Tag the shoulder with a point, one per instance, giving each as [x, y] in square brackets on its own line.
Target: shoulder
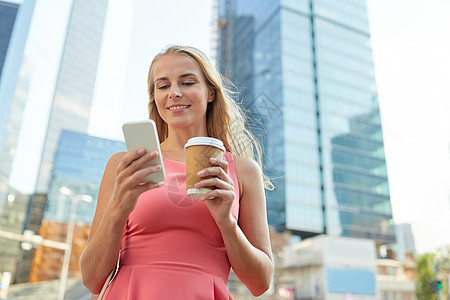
[114, 161]
[246, 166]
[115, 158]
[248, 172]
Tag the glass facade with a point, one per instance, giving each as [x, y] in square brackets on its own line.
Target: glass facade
[14, 26]
[46, 85]
[8, 12]
[250, 55]
[78, 166]
[304, 70]
[75, 84]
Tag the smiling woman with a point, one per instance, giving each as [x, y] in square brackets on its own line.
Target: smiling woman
[180, 90]
[173, 246]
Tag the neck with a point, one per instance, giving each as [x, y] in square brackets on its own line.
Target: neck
[177, 138]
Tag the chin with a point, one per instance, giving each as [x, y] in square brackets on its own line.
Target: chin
[180, 124]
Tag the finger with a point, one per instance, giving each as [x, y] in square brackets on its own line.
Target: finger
[143, 187]
[138, 162]
[223, 194]
[214, 171]
[139, 175]
[219, 162]
[216, 182]
[150, 185]
[129, 157]
[141, 161]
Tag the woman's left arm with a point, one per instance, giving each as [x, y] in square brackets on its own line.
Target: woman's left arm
[247, 241]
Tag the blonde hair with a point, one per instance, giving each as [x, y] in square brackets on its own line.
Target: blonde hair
[225, 120]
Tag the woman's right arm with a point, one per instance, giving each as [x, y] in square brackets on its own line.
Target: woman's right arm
[118, 193]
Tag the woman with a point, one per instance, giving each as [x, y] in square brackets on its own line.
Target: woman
[173, 247]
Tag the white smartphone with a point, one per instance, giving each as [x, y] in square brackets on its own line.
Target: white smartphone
[143, 134]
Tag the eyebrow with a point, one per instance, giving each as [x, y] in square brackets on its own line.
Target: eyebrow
[181, 76]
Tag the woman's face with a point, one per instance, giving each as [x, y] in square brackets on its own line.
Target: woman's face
[181, 92]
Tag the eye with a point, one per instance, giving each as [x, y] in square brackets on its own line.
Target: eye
[188, 83]
[163, 87]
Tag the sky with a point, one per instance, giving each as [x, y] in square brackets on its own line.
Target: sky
[128, 50]
[411, 46]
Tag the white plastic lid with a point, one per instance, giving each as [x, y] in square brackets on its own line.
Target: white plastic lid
[204, 140]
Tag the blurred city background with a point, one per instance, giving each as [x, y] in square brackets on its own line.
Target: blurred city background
[349, 99]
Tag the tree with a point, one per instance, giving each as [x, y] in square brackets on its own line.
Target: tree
[425, 272]
[443, 258]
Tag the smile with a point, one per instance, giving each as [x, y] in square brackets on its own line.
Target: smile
[178, 107]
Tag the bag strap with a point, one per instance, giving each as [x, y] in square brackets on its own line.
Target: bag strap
[116, 270]
[108, 280]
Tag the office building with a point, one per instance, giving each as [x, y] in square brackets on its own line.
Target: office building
[397, 279]
[12, 220]
[47, 84]
[15, 19]
[79, 163]
[8, 13]
[72, 99]
[326, 267]
[405, 242]
[304, 70]
[78, 166]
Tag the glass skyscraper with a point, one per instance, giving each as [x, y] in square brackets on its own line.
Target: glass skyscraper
[79, 162]
[304, 70]
[78, 166]
[15, 19]
[8, 13]
[72, 99]
[47, 82]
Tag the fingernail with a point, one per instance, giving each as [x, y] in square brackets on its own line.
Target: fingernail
[200, 173]
[197, 185]
[141, 151]
[158, 167]
[213, 160]
[161, 183]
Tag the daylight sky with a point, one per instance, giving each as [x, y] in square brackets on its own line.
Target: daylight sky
[411, 44]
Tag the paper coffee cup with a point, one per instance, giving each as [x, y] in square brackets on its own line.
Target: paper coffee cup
[199, 150]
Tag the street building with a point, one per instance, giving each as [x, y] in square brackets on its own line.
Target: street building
[397, 279]
[78, 166]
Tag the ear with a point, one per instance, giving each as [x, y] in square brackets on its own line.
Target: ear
[212, 95]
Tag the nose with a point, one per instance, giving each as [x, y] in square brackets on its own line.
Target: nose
[175, 91]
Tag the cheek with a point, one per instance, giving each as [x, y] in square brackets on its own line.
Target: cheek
[160, 107]
[159, 102]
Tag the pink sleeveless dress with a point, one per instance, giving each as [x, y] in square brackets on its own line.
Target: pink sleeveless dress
[172, 248]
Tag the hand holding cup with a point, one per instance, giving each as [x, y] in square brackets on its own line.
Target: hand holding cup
[199, 151]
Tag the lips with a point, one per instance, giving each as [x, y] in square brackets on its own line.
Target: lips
[175, 107]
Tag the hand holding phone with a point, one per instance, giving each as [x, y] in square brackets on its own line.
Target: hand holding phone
[143, 134]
